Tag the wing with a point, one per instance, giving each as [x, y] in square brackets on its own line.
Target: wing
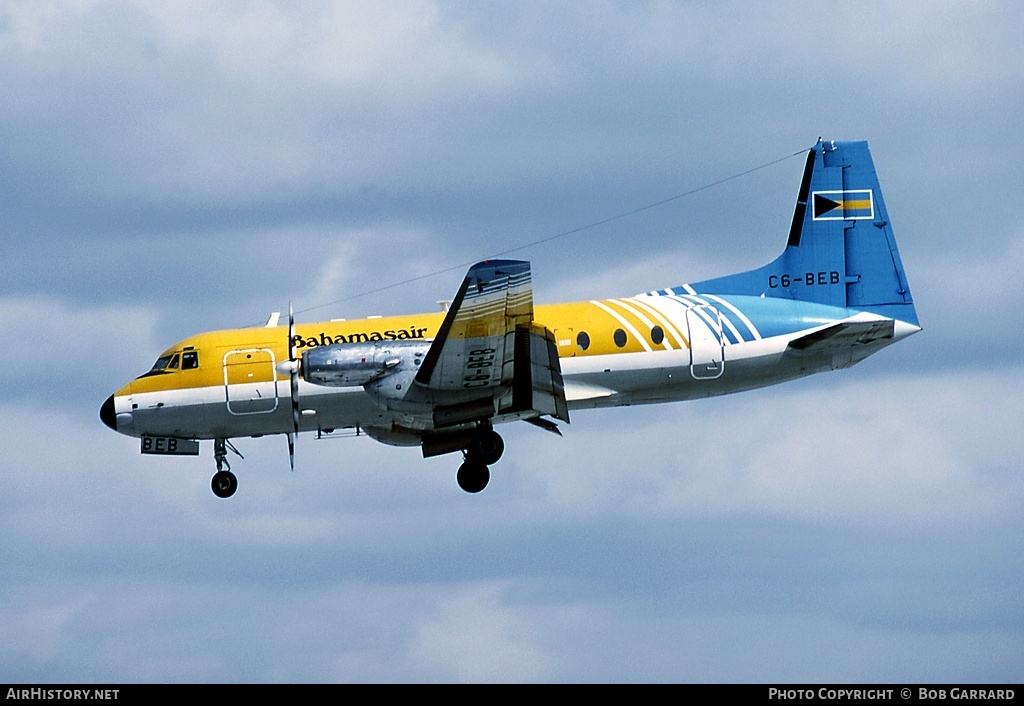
[489, 359]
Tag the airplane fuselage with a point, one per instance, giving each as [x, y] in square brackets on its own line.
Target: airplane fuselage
[639, 350]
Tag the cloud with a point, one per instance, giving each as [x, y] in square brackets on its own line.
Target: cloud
[333, 45]
[220, 103]
[476, 636]
[878, 450]
[61, 351]
[191, 166]
[756, 521]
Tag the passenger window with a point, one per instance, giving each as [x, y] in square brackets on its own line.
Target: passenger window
[620, 337]
[583, 340]
[189, 360]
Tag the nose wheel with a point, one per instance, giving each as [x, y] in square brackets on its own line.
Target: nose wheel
[224, 483]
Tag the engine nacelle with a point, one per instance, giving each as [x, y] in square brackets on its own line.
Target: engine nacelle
[351, 364]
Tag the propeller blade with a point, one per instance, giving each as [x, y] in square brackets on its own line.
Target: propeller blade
[294, 363]
[291, 332]
[291, 450]
[293, 374]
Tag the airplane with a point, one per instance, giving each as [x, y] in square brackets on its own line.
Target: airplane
[443, 381]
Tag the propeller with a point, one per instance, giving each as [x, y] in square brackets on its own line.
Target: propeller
[291, 368]
[295, 386]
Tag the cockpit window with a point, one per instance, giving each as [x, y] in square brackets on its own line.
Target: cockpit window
[169, 362]
[189, 360]
[162, 362]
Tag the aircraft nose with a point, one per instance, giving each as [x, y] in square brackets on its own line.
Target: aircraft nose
[107, 415]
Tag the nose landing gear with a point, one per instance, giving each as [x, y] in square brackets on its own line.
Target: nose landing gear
[224, 483]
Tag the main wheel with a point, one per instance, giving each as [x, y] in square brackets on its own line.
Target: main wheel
[224, 484]
[473, 476]
[487, 447]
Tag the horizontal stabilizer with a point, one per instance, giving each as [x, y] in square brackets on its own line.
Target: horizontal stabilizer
[844, 335]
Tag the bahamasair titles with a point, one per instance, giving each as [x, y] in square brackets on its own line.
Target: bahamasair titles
[444, 381]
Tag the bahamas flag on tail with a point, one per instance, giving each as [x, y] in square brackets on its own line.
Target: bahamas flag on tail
[842, 205]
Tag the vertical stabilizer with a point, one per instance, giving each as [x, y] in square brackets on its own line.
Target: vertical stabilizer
[841, 250]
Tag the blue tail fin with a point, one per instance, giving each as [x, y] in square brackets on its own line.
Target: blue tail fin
[841, 250]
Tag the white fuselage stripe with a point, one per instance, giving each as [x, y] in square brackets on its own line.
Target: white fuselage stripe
[739, 315]
[665, 317]
[621, 320]
[635, 311]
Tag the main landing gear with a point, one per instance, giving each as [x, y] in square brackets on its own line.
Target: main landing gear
[224, 482]
[485, 449]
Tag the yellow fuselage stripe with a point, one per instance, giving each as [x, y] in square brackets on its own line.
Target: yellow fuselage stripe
[270, 345]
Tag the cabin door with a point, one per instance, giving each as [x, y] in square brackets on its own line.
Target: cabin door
[707, 344]
[250, 381]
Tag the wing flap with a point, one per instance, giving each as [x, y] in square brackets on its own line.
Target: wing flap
[537, 379]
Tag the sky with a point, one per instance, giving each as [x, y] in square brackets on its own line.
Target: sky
[171, 168]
